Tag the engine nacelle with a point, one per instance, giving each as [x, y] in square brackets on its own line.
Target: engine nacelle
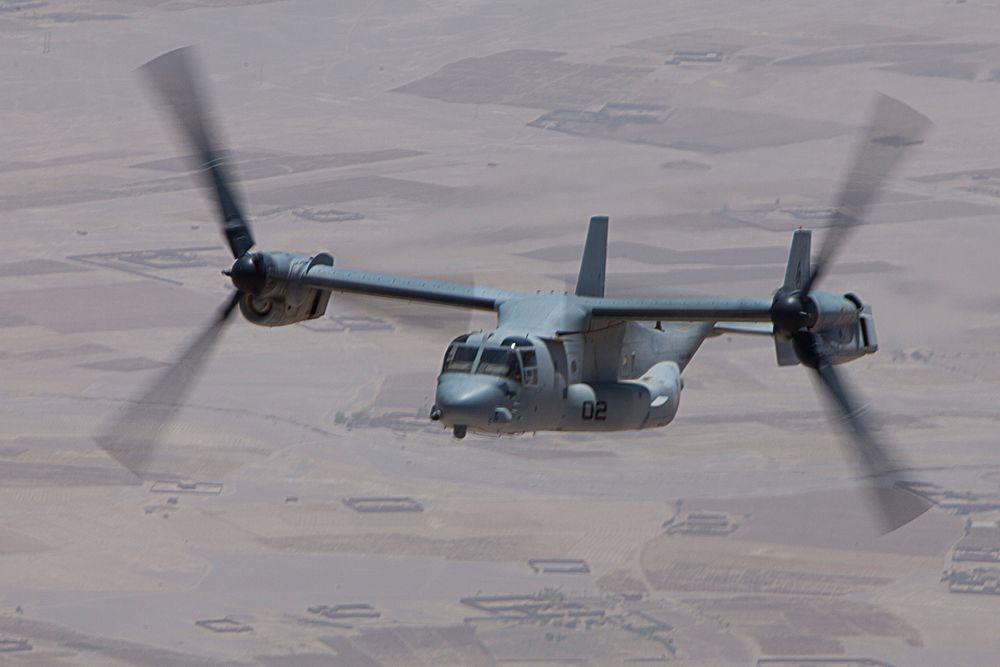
[853, 340]
[283, 299]
[828, 310]
[843, 329]
[279, 311]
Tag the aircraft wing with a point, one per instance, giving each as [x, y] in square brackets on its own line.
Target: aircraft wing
[681, 310]
[405, 288]
[445, 293]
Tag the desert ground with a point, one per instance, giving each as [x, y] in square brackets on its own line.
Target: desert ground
[472, 140]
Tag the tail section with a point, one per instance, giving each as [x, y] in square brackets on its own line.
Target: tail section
[797, 271]
[796, 275]
[590, 282]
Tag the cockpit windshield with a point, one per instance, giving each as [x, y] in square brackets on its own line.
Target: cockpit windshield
[514, 359]
[500, 361]
[459, 358]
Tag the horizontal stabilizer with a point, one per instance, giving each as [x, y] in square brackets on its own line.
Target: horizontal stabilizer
[743, 328]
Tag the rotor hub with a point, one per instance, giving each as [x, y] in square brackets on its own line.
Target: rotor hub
[249, 273]
[789, 313]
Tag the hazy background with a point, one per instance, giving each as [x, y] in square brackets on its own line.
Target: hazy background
[473, 140]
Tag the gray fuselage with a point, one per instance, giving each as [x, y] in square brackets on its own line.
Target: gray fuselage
[572, 373]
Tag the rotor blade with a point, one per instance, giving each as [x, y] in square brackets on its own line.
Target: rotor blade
[174, 77]
[132, 438]
[896, 505]
[893, 128]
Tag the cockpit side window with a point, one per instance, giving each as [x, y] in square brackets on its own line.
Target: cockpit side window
[502, 362]
[459, 358]
[525, 349]
[529, 361]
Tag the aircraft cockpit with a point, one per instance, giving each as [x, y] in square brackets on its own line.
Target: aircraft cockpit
[514, 358]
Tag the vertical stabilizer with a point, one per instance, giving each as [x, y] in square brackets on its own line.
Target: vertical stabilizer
[796, 275]
[797, 271]
[595, 256]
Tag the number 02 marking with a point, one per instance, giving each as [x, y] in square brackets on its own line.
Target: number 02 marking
[596, 411]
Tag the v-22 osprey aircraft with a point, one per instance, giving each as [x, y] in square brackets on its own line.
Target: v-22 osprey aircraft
[566, 361]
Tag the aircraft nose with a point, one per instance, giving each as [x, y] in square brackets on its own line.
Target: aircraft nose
[467, 400]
